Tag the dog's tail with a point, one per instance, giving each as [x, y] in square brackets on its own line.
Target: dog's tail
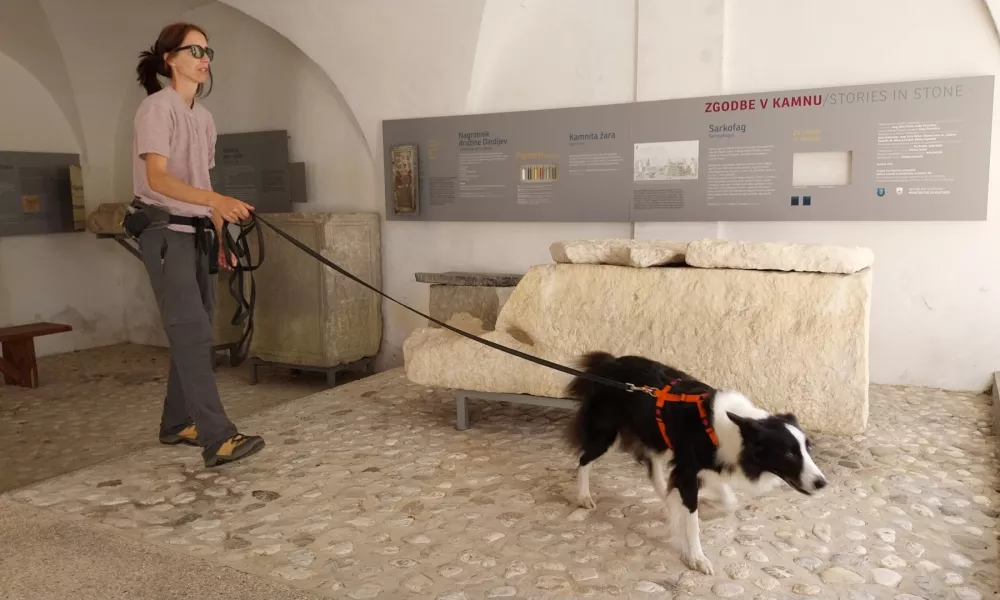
[593, 363]
[585, 390]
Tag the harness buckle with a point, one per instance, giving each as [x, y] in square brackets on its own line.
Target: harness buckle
[645, 389]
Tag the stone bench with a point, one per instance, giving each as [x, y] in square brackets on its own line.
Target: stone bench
[479, 295]
[786, 324]
[19, 364]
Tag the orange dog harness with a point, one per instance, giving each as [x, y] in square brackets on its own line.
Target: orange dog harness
[664, 395]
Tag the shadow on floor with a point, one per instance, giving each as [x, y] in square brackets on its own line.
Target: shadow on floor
[98, 404]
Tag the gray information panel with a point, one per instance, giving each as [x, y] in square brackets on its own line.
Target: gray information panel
[253, 167]
[36, 194]
[902, 151]
[550, 165]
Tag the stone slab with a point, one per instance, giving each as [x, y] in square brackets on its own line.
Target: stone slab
[620, 252]
[791, 341]
[107, 218]
[461, 278]
[482, 303]
[774, 256]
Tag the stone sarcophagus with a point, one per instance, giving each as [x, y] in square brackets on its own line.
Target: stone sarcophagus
[786, 324]
[306, 313]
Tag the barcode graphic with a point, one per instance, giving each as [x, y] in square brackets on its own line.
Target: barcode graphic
[536, 173]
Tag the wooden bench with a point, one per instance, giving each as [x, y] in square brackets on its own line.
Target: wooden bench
[19, 364]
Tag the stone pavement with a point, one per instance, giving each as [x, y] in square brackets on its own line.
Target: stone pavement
[368, 491]
[102, 403]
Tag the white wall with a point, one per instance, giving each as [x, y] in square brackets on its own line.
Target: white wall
[41, 278]
[935, 316]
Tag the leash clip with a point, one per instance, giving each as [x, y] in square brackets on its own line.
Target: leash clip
[645, 388]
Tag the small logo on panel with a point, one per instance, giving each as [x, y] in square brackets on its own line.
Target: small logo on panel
[880, 192]
[807, 200]
[899, 191]
[795, 200]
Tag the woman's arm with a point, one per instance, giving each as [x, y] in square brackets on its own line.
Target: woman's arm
[162, 182]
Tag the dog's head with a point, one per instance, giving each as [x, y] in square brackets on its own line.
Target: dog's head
[777, 445]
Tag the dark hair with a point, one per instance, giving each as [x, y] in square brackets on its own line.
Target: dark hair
[151, 61]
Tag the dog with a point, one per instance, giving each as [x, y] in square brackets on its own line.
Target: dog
[724, 440]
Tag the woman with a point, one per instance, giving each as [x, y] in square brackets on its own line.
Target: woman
[175, 213]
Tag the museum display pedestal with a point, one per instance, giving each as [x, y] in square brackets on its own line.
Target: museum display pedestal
[786, 324]
[479, 295]
[308, 316]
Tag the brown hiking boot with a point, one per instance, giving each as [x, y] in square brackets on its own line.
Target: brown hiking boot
[237, 447]
[188, 435]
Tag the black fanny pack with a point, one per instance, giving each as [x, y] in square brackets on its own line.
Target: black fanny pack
[139, 216]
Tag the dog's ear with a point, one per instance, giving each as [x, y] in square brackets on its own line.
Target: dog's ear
[788, 417]
[749, 427]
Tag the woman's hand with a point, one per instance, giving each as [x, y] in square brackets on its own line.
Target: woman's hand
[230, 209]
[226, 260]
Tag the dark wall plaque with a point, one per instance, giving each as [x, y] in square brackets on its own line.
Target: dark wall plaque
[253, 167]
[36, 194]
[917, 150]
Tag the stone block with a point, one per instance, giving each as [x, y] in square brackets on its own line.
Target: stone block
[107, 218]
[771, 256]
[622, 252]
[790, 341]
[483, 303]
[307, 313]
[473, 279]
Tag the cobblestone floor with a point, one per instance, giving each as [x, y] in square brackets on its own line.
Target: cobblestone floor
[102, 403]
[368, 491]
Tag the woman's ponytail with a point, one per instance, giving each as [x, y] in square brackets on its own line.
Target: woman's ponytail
[150, 65]
[151, 62]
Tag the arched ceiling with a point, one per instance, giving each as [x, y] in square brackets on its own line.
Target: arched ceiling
[389, 59]
[26, 37]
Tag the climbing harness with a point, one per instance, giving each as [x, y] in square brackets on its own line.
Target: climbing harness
[665, 395]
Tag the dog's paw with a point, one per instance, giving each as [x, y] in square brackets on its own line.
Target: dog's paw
[699, 562]
[586, 501]
[728, 501]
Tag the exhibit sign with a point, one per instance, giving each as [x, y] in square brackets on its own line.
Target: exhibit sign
[36, 193]
[253, 167]
[907, 151]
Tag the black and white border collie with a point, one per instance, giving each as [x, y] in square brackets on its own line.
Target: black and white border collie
[755, 447]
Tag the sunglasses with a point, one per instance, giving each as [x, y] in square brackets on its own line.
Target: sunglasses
[198, 51]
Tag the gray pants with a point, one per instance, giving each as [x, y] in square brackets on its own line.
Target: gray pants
[185, 294]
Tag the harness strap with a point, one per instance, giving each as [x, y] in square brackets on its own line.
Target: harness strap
[664, 395]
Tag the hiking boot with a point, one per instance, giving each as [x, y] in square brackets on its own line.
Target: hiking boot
[237, 447]
[188, 435]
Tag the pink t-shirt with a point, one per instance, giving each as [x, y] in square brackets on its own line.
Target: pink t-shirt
[165, 125]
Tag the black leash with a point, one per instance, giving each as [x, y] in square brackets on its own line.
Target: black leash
[241, 248]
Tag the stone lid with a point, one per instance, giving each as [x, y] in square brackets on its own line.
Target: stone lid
[621, 252]
[775, 256]
[470, 279]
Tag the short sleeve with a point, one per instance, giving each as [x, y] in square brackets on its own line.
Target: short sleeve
[153, 127]
[213, 136]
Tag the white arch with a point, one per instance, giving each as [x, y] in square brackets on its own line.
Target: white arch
[419, 63]
[26, 37]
